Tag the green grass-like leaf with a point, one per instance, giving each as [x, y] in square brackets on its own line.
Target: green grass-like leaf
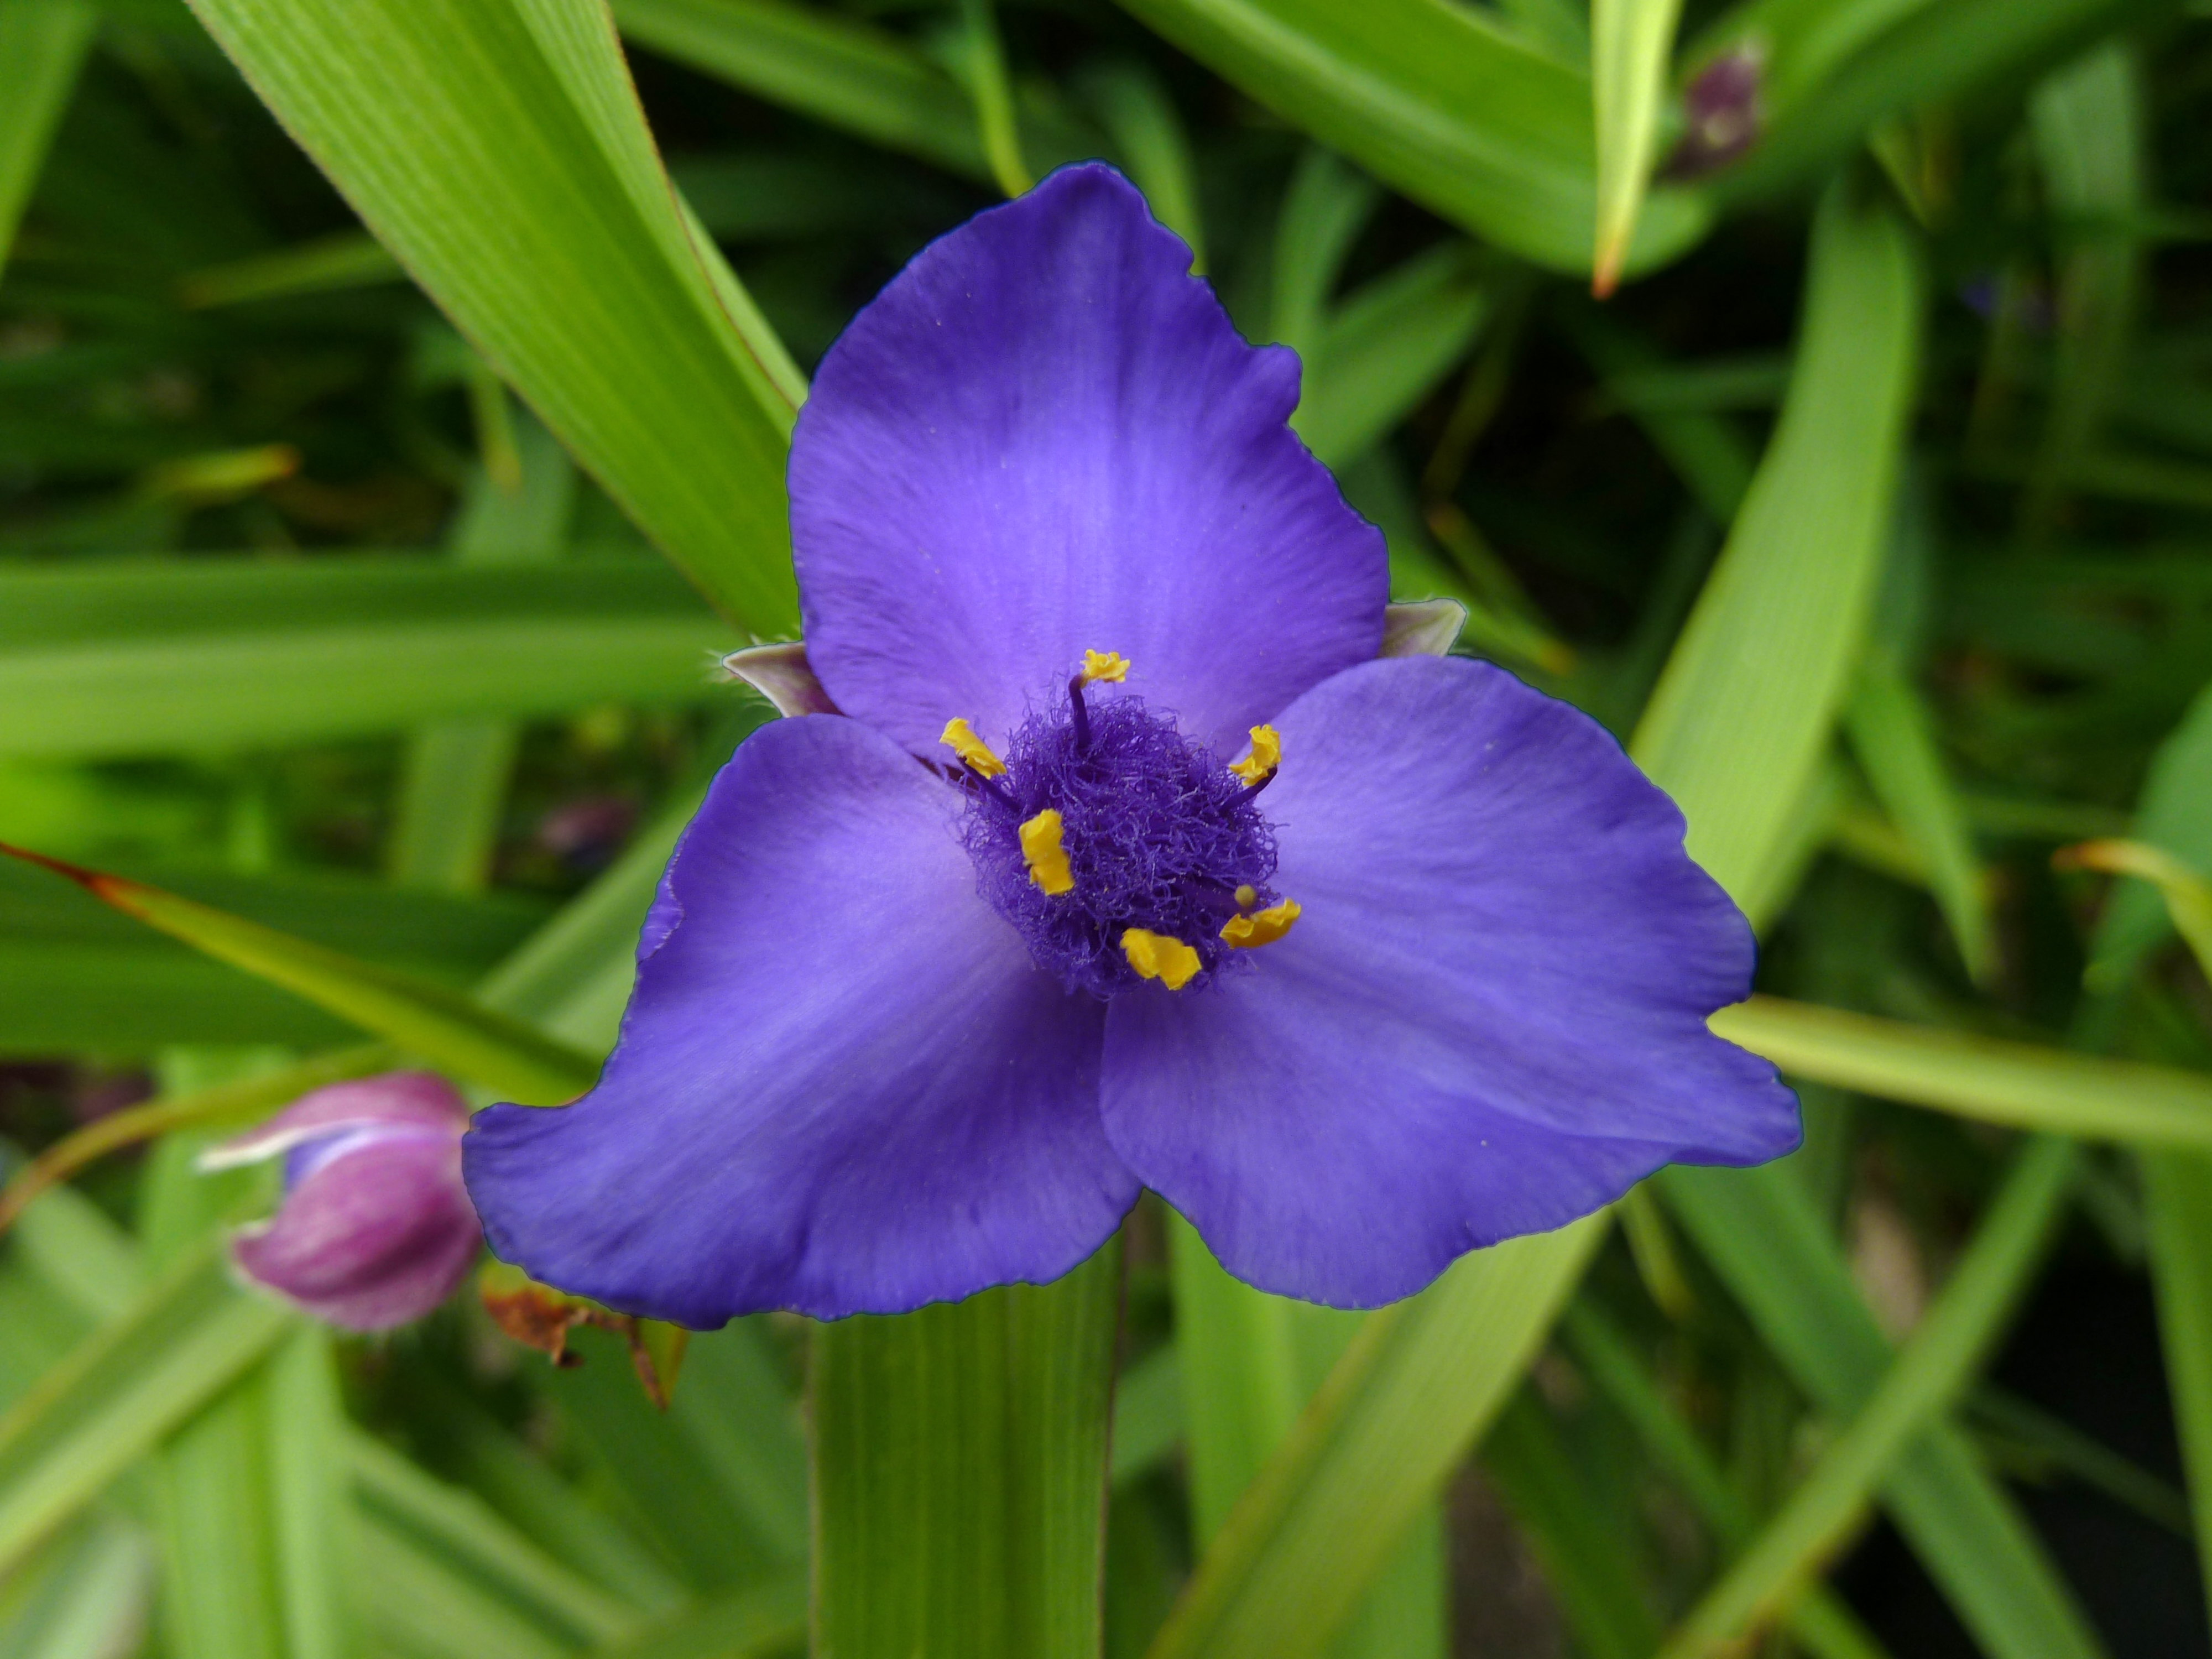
[499, 151]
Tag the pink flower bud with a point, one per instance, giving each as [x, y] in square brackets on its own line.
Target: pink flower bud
[375, 1228]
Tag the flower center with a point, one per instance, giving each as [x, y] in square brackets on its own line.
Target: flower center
[1121, 849]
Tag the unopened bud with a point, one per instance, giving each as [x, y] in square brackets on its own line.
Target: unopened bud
[1721, 113]
[375, 1228]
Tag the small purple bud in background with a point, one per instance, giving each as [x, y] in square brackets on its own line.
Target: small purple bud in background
[1720, 105]
[587, 833]
[375, 1228]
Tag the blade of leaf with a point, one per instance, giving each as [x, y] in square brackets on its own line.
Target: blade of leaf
[1894, 735]
[1760, 1232]
[134, 658]
[560, 1518]
[2177, 807]
[738, 1410]
[1394, 1417]
[1386, 348]
[1929, 54]
[837, 68]
[1582, 1560]
[498, 149]
[2177, 1218]
[1931, 1372]
[2022, 1086]
[1794, 584]
[1707, 453]
[441, 1025]
[959, 1467]
[188, 1337]
[766, 1619]
[1148, 1415]
[453, 778]
[993, 97]
[1456, 110]
[221, 1595]
[1819, 1618]
[1631, 44]
[2172, 818]
[400, 1500]
[42, 45]
[719, 1519]
[89, 1597]
[422, 1604]
[1250, 1363]
[2088, 122]
[1326, 206]
[311, 1508]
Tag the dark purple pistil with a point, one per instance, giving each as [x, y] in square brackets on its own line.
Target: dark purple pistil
[1159, 833]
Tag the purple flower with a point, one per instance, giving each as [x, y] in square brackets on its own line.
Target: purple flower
[1722, 113]
[1126, 861]
[375, 1228]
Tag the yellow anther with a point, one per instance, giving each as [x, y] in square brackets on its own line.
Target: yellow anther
[960, 738]
[1159, 955]
[1104, 665]
[1047, 858]
[1261, 927]
[1267, 754]
[1247, 897]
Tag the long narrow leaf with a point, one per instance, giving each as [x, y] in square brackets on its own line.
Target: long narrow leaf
[1250, 1362]
[1894, 735]
[959, 1468]
[2020, 1084]
[1394, 1418]
[2178, 1184]
[42, 45]
[441, 1025]
[1930, 53]
[1438, 101]
[1761, 1233]
[188, 1337]
[1817, 1619]
[454, 1525]
[1631, 44]
[137, 659]
[454, 778]
[1935, 1366]
[1791, 594]
[499, 150]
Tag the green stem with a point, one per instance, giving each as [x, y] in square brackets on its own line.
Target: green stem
[960, 1473]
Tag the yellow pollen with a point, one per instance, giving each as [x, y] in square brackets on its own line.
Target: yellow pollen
[1267, 754]
[1104, 665]
[960, 738]
[1158, 956]
[1261, 927]
[1247, 897]
[1047, 858]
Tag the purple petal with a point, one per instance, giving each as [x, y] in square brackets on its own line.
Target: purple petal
[841, 1087]
[1045, 437]
[371, 1239]
[398, 1098]
[1489, 1020]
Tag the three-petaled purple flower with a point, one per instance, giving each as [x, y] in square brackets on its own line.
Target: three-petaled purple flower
[1128, 861]
[375, 1228]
